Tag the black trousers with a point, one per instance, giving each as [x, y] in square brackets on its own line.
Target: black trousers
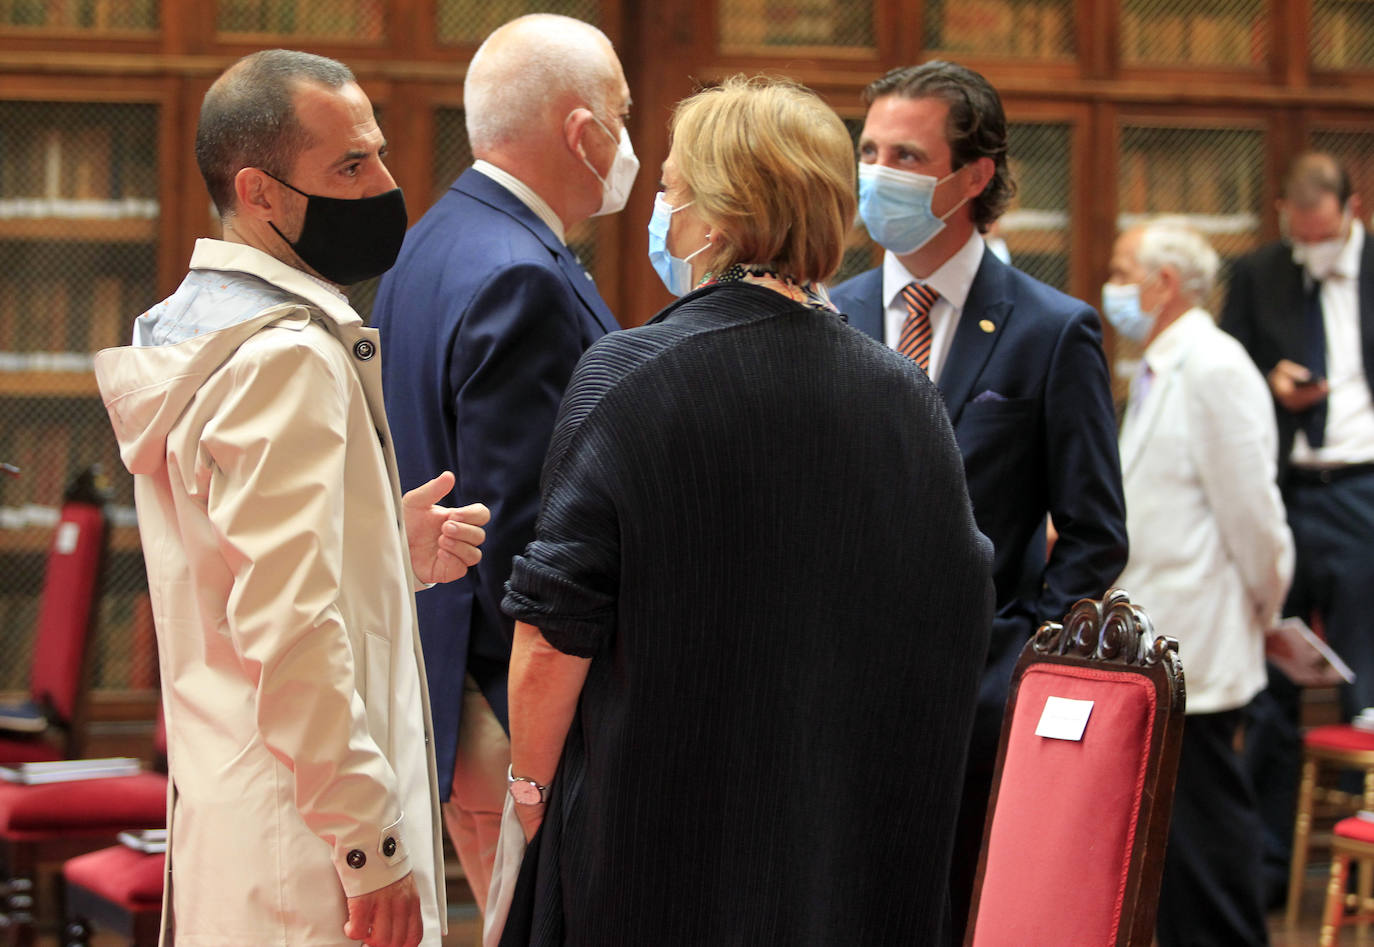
[1210, 894]
[1333, 533]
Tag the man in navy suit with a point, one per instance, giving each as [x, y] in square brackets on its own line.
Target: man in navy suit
[483, 319]
[1020, 366]
[1303, 307]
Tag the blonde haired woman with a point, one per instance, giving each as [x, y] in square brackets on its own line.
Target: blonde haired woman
[751, 624]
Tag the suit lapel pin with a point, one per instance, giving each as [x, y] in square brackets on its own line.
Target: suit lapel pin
[986, 325]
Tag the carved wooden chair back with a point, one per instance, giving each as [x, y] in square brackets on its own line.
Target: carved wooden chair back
[1073, 845]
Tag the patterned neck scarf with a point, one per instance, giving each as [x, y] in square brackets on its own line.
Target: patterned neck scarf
[809, 294]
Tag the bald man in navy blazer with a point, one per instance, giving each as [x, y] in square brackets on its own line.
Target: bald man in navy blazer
[482, 321]
[1020, 366]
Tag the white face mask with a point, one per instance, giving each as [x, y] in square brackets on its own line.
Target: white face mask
[615, 186]
[1319, 259]
[1121, 306]
[676, 272]
[896, 207]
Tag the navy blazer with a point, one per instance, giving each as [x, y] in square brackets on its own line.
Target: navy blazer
[482, 320]
[1264, 310]
[1026, 386]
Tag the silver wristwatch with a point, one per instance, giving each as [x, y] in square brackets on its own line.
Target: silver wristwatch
[525, 792]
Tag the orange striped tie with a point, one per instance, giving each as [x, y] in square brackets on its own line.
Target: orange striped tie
[916, 331]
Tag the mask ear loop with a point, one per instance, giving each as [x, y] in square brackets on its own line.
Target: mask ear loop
[944, 218]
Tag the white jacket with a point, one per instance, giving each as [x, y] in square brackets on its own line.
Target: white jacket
[295, 699]
[1211, 554]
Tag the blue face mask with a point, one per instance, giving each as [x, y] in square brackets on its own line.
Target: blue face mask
[1121, 306]
[675, 273]
[896, 207]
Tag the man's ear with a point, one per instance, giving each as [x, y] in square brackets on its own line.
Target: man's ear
[255, 193]
[573, 127]
[983, 172]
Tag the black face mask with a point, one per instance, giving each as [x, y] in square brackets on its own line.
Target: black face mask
[348, 241]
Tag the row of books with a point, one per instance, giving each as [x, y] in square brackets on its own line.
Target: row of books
[1343, 35]
[1032, 28]
[63, 316]
[1042, 180]
[353, 19]
[1219, 35]
[80, 14]
[88, 161]
[753, 23]
[1203, 172]
[469, 21]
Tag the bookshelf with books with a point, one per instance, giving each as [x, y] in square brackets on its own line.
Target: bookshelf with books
[80, 230]
[1233, 34]
[1342, 34]
[78, 16]
[361, 22]
[1029, 29]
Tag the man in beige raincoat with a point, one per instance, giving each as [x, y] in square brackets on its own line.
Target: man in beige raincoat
[249, 408]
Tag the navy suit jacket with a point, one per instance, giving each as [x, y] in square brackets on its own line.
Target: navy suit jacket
[1026, 386]
[482, 320]
[1264, 310]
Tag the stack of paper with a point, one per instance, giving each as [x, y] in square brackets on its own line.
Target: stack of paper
[61, 771]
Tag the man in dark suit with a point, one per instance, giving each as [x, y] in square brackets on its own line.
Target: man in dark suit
[1303, 307]
[1020, 366]
[484, 317]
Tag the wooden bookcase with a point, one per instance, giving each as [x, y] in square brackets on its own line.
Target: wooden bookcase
[1118, 108]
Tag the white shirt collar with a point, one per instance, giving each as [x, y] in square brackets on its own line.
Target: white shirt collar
[525, 195]
[1348, 263]
[952, 280]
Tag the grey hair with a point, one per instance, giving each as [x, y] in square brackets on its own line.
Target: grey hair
[508, 88]
[1171, 241]
[248, 118]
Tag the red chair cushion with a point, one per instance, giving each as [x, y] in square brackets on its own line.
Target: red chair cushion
[26, 751]
[65, 609]
[1339, 736]
[1066, 812]
[120, 875]
[83, 806]
[1361, 830]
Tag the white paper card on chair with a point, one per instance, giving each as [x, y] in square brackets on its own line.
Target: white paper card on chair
[67, 535]
[1063, 718]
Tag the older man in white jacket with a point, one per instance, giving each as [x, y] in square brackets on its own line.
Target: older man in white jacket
[1211, 558]
[303, 807]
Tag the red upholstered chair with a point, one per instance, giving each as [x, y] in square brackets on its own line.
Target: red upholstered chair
[1332, 749]
[50, 823]
[47, 726]
[1351, 838]
[116, 889]
[1073, 846]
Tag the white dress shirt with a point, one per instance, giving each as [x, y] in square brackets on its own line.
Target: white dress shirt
[1349, 410]
[525, 195]
[952, 281]
[1211, 553]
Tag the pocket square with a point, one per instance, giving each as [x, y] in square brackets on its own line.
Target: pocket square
[989, 395]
